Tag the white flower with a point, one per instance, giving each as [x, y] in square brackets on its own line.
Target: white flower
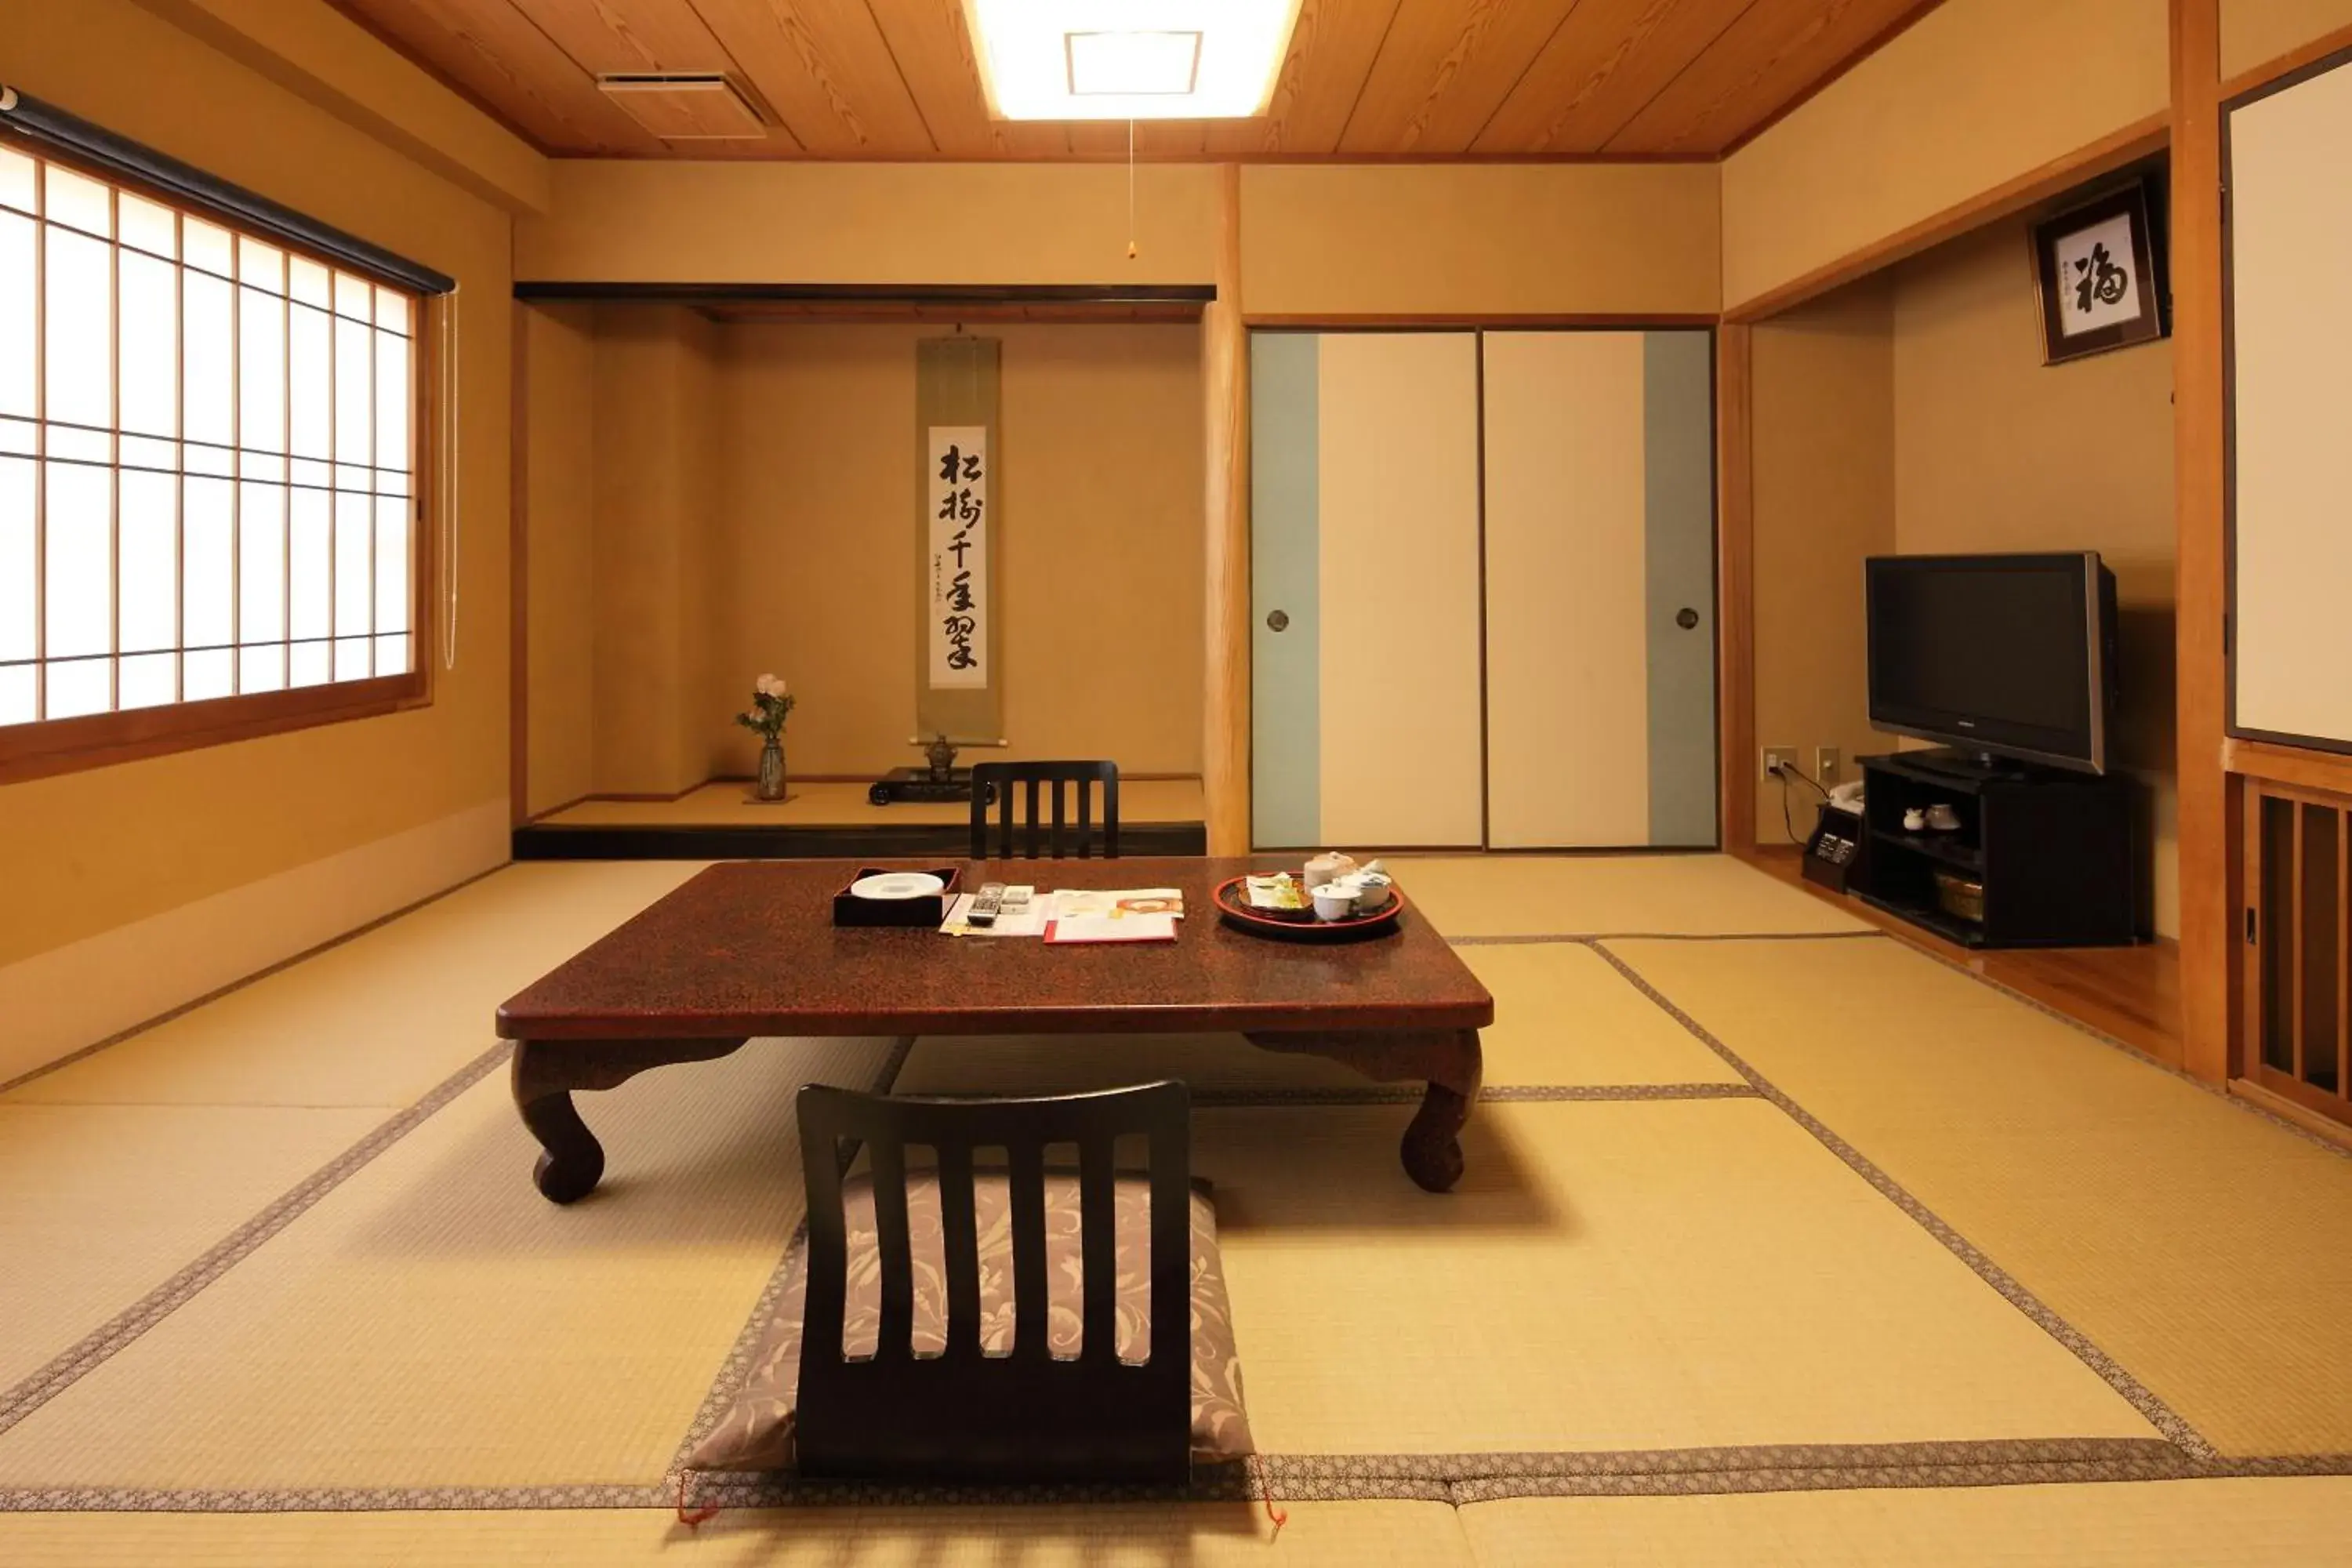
[768, 686]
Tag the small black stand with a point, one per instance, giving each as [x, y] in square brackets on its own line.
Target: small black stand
[918, 784]
[2050, 852]
[940, 780]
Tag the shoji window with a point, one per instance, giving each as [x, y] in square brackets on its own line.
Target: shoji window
[208, 473]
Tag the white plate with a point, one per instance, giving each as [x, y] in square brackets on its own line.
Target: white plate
[897, 885]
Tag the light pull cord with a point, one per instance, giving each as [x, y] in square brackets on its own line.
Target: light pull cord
[1130, 190]
[450, 472]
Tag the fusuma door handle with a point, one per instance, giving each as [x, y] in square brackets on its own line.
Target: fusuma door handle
[1686, 617]
[1275, 620]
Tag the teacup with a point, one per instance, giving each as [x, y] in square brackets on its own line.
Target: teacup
[1333, 900]
[1371, 891]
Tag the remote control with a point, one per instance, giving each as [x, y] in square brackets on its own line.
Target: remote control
[984, 907]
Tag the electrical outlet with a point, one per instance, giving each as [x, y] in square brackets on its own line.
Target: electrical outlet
[1778, 757]
[1825, 764]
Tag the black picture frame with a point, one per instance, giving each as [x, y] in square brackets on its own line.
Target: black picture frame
[2140, 204]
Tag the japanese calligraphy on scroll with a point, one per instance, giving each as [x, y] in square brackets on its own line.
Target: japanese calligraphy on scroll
[959, 555]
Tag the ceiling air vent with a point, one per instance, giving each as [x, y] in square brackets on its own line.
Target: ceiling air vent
[686, 106]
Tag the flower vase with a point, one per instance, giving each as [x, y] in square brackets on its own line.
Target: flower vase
[771, 770]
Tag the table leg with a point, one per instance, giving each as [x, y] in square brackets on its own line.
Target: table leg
[545, 1073]
[1448, 1061]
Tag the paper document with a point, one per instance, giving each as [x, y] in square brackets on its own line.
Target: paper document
[1118, 915]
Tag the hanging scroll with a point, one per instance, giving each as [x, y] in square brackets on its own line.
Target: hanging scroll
[959, 555]
[958, 517]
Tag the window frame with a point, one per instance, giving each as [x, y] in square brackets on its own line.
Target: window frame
[43, 748]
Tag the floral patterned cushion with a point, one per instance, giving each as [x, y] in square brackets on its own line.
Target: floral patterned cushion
[756, 1433]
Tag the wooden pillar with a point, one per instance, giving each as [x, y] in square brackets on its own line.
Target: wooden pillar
[2208, 954]
[1735, 624]
[1225, 692]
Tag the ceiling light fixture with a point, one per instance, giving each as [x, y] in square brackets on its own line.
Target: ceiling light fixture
[1106, 64]
[1129, 60]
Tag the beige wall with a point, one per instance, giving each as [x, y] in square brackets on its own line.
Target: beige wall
[1824, 487]
[1541, 238]
[1098, 483]
[2255, 32]
[655, 430]
[869, 223]
[91, 852]
[559, 432]
[1492, 239]
[1979, 93]
[320, 54]
[1993, 450]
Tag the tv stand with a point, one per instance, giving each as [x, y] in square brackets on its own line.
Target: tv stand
[2050, 851]
[1950, 761]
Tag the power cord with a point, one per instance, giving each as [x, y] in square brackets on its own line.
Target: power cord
[1784, 772]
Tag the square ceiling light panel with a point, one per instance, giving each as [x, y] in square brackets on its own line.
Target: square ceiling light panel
[1130, 59]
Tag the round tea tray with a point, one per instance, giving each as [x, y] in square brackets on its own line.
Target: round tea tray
[1301, 925]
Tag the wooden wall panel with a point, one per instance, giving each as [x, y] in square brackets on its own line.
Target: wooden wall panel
[1225, 530]
[2208, 868]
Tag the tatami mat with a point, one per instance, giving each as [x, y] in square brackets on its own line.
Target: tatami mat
[2206, 1249]
[1608, 1276]
[1598, 895]
[1069, 1063]
[1207, 1535]
[2193, 1524]
[377, 1020]
[835, 803]
[100, 1203]
[435, 1321]
[1563, 1018]
[1563, 1015]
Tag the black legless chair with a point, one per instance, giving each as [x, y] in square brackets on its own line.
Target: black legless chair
[966, 1415]
[996, 781]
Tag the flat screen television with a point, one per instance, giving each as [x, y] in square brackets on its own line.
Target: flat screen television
[2008, 656]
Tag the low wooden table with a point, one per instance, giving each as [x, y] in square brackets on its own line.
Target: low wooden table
[749, 948]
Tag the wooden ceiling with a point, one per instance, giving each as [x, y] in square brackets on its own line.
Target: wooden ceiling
[1363, 78]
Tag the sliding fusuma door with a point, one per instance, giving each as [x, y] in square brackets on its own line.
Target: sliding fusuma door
[1600, 573]
[1364, 589]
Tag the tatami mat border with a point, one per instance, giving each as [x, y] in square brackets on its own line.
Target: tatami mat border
[1588, 939]
[95, 1348]
[1455, 1479]
[2161, 1415]
[1402, 1094]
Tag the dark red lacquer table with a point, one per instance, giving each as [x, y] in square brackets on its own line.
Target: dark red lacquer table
[749, 948]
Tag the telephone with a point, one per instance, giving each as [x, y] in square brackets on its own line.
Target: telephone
[1837, 854]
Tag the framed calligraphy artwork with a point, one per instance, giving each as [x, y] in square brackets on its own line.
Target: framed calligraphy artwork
[2101, 271]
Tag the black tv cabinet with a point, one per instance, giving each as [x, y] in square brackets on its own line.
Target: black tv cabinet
[2052, 850]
